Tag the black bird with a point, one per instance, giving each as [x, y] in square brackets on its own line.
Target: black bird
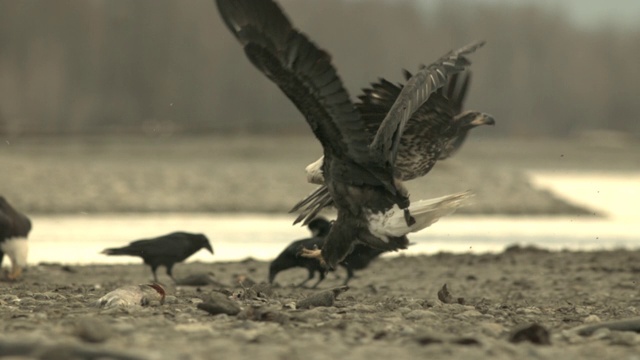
[164, 250]
[290, 257]
[14, 229]
[434, 132]
[373, 205]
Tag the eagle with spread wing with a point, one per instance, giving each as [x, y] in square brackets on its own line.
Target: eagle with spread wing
[359, 171]
[434, 132]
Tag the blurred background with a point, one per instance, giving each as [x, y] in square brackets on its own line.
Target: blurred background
[143, 107]
[168, 66]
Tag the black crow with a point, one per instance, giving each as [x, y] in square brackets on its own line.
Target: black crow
[14, 229]
[164, 250]
[358, 259]
[359, 172]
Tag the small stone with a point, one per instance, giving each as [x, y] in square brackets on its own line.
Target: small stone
[591, 319]
[219, 304]
[92, 330]
[420, 314]
[492, 329]
[323, 298]
[533, 333]
[170, 299]
[529, 311]
[468, 314]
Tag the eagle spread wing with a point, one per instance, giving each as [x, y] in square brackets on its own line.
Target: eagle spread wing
[302, 71]
[415, 93]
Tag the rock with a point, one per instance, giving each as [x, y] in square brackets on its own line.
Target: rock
[468, 314]
[591, 319]
[533, 333]
[218, 303]
[170, 299]
[323, 298]
[420, 314]
[262, 313]
[445, 296]
[92, 330]
[492, 329]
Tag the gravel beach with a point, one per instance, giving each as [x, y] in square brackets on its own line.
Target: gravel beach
[524, 303]
[391, 309]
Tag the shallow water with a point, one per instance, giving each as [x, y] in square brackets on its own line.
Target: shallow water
[78, 239]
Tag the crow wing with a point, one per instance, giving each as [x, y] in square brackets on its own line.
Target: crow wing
[412, 96]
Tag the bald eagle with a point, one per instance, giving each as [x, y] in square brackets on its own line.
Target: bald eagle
[14, 229]
[434, 132]
[359, 172]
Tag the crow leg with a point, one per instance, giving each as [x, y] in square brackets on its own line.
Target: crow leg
[350, 275]
[310, 276]
[170, 272]
[322, 275]
[154, 268]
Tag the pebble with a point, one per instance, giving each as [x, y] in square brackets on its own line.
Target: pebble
[323, 298]
[170, 299]
[219, 304]
[468, 314]
[591, 319]
[492, 329]
[420, 314]
[92, 330]
[26, 301]
[529, 311]
[194, 327]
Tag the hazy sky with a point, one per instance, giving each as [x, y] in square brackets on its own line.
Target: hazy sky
[624, 13]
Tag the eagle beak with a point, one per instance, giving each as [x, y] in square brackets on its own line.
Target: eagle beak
[483, 119]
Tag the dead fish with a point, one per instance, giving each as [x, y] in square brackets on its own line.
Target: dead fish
[132, 295]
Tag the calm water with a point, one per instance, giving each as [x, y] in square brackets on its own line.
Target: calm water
[78, 239]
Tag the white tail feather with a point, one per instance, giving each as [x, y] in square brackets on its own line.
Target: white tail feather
[314, 172]
[425, 212]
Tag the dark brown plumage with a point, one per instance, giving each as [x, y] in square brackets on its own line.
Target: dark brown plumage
[434, 132]
[164, 250]
[290, 257]
[14, 230]
[358, 172]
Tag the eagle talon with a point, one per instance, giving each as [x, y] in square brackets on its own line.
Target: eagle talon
[313, 254]
[14, 274]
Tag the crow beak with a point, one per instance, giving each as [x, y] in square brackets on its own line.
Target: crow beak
[208, 247]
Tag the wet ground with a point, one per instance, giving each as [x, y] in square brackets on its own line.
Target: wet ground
[392, 309]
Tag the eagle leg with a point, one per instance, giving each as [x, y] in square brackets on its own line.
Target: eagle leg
[15, 273]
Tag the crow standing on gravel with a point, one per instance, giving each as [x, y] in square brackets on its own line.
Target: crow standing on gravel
[319, 227]
[164, 250]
